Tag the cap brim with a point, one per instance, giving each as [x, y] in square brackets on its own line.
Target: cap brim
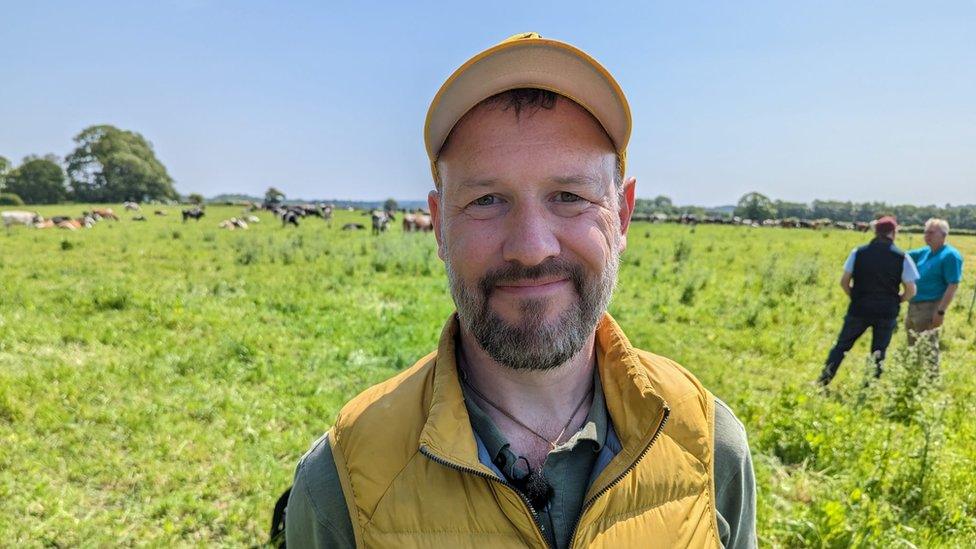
[533, 63]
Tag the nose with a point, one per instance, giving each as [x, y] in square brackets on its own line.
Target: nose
[529, 237]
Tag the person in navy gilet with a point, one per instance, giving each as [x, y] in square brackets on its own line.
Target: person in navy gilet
[878, 270]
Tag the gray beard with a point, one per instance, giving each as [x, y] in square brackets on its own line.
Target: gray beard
[532, 344]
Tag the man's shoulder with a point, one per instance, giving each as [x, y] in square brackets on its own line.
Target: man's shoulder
[316, 470]
[317, 512]
[731, 442]
[675, 378]
[953, 252]
[379, 398]
[381, 426]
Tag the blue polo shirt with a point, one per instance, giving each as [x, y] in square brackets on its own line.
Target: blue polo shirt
[936, 271]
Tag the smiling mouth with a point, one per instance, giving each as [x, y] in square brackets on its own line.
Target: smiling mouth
[532, 287]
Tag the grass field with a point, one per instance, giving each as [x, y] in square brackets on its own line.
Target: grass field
[159, 380]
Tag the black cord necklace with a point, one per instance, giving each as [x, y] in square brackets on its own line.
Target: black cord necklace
[552, 443]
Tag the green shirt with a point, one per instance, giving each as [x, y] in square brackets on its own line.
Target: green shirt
[317, 515]
[567, 467]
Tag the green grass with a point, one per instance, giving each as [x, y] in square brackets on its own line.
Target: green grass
[159, 380]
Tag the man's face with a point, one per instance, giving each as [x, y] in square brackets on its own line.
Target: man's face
[530, 226]
[934, 237]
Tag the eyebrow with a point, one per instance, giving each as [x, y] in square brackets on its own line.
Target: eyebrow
[469, 183]
[579, 180]
[583, 180]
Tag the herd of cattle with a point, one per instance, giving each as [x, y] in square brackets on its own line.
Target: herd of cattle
[789, 223]
[33, 219]
[418, 221]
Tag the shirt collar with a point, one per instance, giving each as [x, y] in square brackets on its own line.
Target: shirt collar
[634, 409]
[594, 430]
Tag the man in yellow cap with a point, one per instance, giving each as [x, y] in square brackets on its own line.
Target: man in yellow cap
[535, 422]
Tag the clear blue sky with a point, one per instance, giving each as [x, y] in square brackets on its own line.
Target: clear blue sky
[846, 100]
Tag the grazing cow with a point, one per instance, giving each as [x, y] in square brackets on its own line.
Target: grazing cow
[233, 223]
[131, 206]
[290, 216]
[327, 213]
[106, 213]
[297, 210]
[194, 213]
[353, 227]
[381, 220]
[159, 212]
[17, 217]
[139, 218]
[310, 209]
[409, 222]
[423, 223]
[252, 219]
[86, 221]
[70, 224]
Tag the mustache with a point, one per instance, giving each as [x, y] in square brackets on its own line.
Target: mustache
[512, 272]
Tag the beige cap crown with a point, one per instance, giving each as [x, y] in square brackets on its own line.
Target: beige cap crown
[529, 61]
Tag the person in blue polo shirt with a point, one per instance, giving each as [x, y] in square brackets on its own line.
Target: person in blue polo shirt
[877, 270]
[940, 271]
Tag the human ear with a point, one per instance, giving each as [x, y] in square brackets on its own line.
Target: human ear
[434, 205]
[625, 208]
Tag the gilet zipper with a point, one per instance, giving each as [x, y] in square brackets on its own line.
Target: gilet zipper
[525, 501]
[589, 502]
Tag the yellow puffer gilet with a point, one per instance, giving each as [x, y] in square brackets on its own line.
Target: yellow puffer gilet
[408, 461]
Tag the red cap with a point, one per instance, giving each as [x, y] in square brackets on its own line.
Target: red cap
[885, 225]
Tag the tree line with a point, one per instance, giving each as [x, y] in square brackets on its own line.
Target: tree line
[107, 165]
[759, 207]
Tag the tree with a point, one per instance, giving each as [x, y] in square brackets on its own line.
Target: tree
[390, 205]
[659, 204]
[4, 168]
[10, 199]
[38, 180]
[663, 203]
[195, 198]
[792, 209]
[834, 209]
[273, 196]
[755, 206]
[113, 165]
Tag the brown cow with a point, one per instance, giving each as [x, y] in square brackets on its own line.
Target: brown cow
[106, 213]
[422, 222]
[70, 224]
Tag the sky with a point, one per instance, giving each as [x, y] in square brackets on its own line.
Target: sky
[797, 100]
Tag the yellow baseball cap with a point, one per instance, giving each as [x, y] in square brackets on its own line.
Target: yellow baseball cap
[528, 60]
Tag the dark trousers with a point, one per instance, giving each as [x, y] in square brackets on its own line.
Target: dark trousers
[854, 327]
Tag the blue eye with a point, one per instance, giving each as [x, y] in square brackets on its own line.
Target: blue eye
[565, 196]
[486, 200]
